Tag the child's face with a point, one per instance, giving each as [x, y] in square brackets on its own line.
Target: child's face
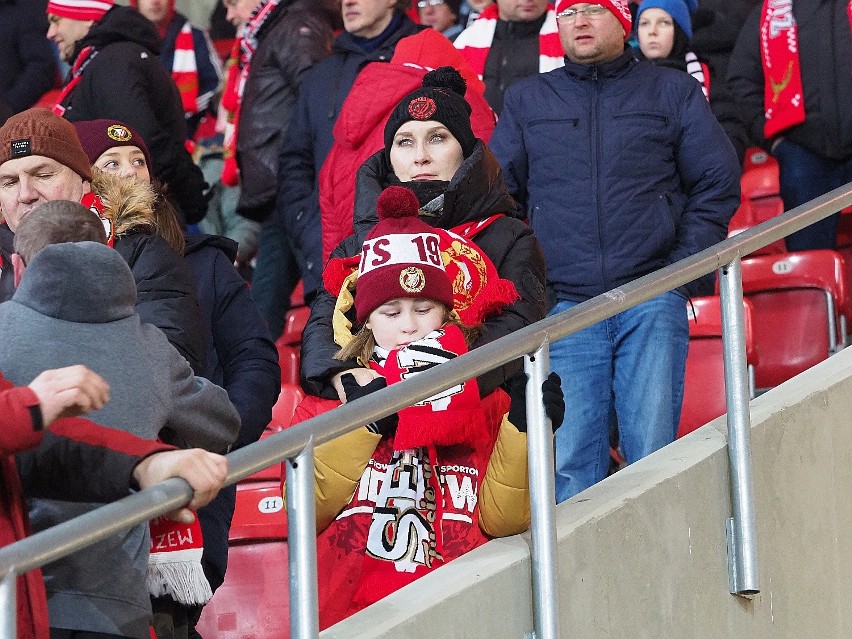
[125, 161]
[656, 33]
[401, 321]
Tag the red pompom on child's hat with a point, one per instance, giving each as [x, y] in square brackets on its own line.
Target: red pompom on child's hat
[401, 257]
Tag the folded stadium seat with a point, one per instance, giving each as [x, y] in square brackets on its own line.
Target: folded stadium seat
[800, 306]
[761, 197]
[294, 324]
[253, 602]
[288, 359]
[704, 385]
[285, 406]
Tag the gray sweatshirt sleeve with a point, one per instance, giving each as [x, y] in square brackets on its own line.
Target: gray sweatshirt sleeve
[201, 414]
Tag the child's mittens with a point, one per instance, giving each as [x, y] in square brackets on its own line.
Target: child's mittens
[551, 390]
[386, 426]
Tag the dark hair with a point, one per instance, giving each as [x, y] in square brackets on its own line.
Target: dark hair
[403, 5]
[54, 223]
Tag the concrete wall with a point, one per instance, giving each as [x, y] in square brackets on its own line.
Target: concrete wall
[643, 554]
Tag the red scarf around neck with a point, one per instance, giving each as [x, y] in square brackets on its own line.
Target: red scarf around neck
[783, 97]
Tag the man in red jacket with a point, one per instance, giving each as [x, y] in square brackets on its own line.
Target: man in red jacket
[53, 399]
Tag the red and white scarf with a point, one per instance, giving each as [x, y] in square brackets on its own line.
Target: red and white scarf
[700, 71]
[84, 58]
[413, 527]
[474, 43]
[783, 97]
[185, 69]
[237, 72]
[174, 565]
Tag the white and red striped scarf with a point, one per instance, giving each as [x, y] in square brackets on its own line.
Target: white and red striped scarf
[700, 71]
[783, 98]
[237, 73]
[474, 43]
[185, 69]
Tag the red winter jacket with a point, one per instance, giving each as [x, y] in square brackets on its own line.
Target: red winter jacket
[359, 131]
[53, 471]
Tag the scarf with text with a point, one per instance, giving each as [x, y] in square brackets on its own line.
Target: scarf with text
[236, 74]
[783, 98]
[174, 565]
[474, 43]
[414, 527]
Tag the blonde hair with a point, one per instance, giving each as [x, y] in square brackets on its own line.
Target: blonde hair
[361, 345]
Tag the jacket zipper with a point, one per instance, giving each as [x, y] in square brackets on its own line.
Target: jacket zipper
[596, 185]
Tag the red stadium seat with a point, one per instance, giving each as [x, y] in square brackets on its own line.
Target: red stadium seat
[288, 359]
[288, 399]
[259, 512]
[704, 385]
[761, 198]
[294, 324]
[760, 175]
[800, 308]
[253, 602]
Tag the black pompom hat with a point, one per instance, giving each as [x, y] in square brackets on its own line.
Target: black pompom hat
[439, 98]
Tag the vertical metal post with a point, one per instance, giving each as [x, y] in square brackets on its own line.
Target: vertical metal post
[742, 542]
[542, 499]
[9, 604]
[302, 545]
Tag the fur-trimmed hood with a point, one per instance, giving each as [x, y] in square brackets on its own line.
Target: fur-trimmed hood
[129, 204]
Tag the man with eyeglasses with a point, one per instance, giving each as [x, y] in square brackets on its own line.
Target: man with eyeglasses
[512, 39]
[623, 170]
[441, 15]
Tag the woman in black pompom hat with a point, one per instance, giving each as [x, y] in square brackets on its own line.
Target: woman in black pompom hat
[430, 148]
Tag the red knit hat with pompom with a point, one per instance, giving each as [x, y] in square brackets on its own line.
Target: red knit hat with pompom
[401, 257]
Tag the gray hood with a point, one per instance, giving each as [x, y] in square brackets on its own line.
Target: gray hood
[82, 282]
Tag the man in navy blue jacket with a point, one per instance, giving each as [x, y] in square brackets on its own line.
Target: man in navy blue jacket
[623, 170]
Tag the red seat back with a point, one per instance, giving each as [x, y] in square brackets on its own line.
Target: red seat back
[254, 599]
[760, 175]
[791, 311]
[294, 324]
[259, 512]
[285, 406]
[704, 383]
[288, 359]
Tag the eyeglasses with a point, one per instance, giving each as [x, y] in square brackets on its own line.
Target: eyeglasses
[592, 12]
[423, 4]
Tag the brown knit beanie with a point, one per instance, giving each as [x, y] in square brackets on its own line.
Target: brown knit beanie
[40, 131]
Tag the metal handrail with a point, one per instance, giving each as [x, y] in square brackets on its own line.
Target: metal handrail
[293, 443]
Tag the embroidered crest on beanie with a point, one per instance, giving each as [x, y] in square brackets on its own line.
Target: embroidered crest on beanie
[99, 136]
[40, 131]
[401, 257]
[440, 98]
[80, 9]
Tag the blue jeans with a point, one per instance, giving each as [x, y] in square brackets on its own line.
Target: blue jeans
[630, 366]
[276, 274]
[804, 176]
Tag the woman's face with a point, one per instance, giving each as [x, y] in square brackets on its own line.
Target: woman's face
[126, 161]
[425, 151]
[656, 33]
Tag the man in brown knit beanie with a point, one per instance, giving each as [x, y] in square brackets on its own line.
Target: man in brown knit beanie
[41, 160]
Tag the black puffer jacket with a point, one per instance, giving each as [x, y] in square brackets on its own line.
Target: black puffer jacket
[27, 63]
[125, 80]
[477, 191]
[296, 36]
[825, 57]
[311, 134]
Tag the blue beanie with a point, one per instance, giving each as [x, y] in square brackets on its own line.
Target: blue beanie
[679, 10]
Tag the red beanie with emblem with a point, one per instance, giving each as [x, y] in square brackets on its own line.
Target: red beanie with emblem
[99, 136]
[80, 9]
[401, 257]
[618, 8]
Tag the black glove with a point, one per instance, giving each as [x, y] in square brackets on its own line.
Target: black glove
[386, 426]
[554, 401]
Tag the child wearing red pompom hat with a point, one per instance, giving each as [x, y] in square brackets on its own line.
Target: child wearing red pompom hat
[416, 489]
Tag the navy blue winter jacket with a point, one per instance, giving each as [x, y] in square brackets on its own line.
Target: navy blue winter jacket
[622, 169]
[242, 359]
[310, 137]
